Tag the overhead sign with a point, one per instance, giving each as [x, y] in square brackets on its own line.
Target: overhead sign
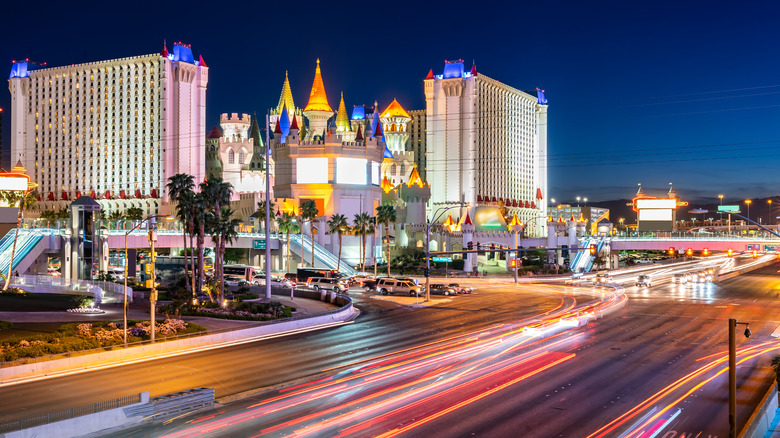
[13, 182]
[258, 244]
[729, 208]
[442, 259]
[656, 203]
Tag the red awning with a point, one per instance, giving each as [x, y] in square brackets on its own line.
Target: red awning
[50, 197]
[527, 205]
[479, 198]
[92, 195]
[514, 203]
[154, 193]
[533, 204]
[494, 199]
[38, 197]
[78, 194]
[107, 194]
[539, 194]
[138, 194]
[64, 196]
[122, 194]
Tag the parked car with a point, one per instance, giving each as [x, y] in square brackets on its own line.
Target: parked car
[389, 285]
[441, 289]
[234, 280]
[259, 280]
[460, 289]
[332, 284]
[644, 280]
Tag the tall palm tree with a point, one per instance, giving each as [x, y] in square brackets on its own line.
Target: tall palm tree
[26, 201]
[337, 225]
[385, 214]
[199, 229]
[216, 194]
[362, 226]
[309, 211]
[115, 217]
[180, 188]
[287, 224]
[134, 214]
[223, 230]
[261, 212]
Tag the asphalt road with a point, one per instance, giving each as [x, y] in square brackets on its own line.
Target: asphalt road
[609, 374]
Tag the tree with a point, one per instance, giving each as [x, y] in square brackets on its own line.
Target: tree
[309, 211]
[25, 201]
[198, 214]
[116, 216]
[287, 224]
[362, 226]
[385, 214]
[338, 225]
[49, 216]
[223, 230]
[134, 214]
[180, 188]
[216, 194]
[261, 212]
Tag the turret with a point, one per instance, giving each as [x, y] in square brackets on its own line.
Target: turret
[318, 111]
[395, 119]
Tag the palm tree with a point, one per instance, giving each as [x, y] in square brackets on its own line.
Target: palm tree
[309, 211]
[134, 214]
[223, 230]
[49, 216]
[363, 225]
[337, 225]
[116, 216]
[385, 214]
[25, 200]
[216, 194]
[180, 188]
[261, 212]
[288, 225]
[199, 229]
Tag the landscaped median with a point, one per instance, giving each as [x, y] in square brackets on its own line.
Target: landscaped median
[116, 355]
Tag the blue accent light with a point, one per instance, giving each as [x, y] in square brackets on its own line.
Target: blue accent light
[388, 154]
[284, 123]
[453, 69]
[183, 54]
[540, 97]
[19, 70]
[358, 112]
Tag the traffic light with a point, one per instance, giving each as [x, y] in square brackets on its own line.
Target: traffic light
[689, 252]
[755, 253]
[471, 246]
[479, 249]
[705, 251]
[671, 251]
[593, 249]
[731, 252]
[512, 263]
[426, 272]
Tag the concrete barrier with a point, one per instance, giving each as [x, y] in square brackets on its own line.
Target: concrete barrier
[118, 356]
[759, 423]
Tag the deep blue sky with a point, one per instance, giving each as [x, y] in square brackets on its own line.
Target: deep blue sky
[639, 92]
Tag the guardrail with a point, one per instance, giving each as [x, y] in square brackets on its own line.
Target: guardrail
[172, 404]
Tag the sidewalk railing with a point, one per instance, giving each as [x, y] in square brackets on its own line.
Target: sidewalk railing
[99, 289]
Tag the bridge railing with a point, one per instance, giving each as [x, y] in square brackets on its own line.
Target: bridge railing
[100, 290]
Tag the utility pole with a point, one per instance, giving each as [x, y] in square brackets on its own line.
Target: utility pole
[153, 295]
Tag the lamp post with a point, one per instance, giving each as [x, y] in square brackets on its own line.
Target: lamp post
[578, 201]
[733, 373]
[374, 249]
[153, 298]
[436, 216]
[769, 219]
[748, 202]
[720, 196]
[622, 229]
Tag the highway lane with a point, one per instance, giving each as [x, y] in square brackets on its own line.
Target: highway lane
[662, 335]
[383, 327]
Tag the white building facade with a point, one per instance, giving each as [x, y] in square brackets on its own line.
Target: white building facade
[486, 144]
[113, 130]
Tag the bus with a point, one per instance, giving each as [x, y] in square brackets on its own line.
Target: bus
[305, 273]
[243, 271]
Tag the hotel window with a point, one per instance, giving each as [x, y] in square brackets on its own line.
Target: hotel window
[231, 157]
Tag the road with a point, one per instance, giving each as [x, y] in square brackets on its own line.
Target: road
[467, 367]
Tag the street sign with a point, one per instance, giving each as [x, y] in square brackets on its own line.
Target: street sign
[771, 247]
[442, 259]
[728, 208]
[258, 244]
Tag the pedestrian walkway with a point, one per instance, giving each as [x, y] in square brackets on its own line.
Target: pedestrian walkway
[774, 429]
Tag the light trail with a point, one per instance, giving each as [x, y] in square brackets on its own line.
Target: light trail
[393, 393]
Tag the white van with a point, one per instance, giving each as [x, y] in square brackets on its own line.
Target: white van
[388, 285]
[334, 284]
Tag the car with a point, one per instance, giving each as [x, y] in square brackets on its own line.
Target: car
[644, 280]
[369, 284]
[460, 289]
[441, 289]
[602, 277]
[358, 280]
[680, 278]
[322, 283]
[389, 285]
[234, 280]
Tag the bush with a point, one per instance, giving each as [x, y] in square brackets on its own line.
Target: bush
[5, 325]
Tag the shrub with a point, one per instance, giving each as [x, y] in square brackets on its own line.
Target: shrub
[5, 325]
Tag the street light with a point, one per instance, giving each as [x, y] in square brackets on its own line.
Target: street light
[748, 202]
[769, 219]
[733, 373]
[436, 216]
[720, 196]
[578, 201]
[153, 297]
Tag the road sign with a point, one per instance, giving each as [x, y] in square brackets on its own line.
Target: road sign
[258, 244]
[442, 259]
[728, 208]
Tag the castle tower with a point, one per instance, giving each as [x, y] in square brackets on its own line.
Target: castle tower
[286, 98]
[343, 126]
[395, 118]
[235, 126]
[317, 111]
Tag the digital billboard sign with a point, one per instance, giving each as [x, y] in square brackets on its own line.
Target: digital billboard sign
[312, 170]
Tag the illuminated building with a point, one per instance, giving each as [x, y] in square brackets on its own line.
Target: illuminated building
[113, 130]
[589, 215]
[486, 143]
[399, 161]
[656, 214]
[417, 140]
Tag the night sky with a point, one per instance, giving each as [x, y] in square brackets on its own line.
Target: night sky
[639, 92]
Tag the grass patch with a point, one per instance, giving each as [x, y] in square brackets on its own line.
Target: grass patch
[36, 302]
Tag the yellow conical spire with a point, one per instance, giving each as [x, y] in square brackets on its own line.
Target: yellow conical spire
[386, 184]
[286, 98]
[414, 178]
[318, 101]
[342, 119]
[395, 110]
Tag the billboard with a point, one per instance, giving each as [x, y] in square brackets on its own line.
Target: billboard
[13, 183]
[728, 208]
[656, 203]
[351, 170]
[312, 170]
[655, 215]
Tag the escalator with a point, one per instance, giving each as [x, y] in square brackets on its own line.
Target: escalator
[27, 241]
[301, 246]
[583, 260]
